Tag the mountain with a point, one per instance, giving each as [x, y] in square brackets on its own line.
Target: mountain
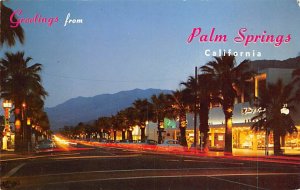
[84, 109]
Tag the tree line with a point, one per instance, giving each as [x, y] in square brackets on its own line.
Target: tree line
[21, 84]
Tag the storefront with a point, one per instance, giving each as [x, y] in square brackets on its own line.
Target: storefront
[216, 137]
[246, 138]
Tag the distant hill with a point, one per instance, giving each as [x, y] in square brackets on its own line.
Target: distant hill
[84, 109]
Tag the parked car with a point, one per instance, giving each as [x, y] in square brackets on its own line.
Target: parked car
[45, 145]
[149, 144]
[103, 140]
[170, 145]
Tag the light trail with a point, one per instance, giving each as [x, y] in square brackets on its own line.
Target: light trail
[182, 151]
[92, 157]
[36, 157]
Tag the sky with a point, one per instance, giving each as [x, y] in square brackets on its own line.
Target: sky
[128, 44]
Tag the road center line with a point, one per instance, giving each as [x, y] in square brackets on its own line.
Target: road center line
[14, 170]
[141, 170]
[170, 160]
[34, 157]
[91, 157]
[244, 184]
[171, 176]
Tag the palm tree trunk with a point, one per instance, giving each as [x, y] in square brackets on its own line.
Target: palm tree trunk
[277, 150]
[123, 135]
[205, 141]
[183, 141]
[282, 143]
[182, 127]
[18, 140]
[203, 127]
[228, 133]
[115, 135]
[159, 140]
[129, 135]
[143, 136]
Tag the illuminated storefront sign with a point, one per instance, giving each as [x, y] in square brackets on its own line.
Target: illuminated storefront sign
[250, 110]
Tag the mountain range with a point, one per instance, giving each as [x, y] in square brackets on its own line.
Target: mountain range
[85, 109]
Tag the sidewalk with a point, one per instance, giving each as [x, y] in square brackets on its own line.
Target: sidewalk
[250, 155]
[249, 152]
[4, 155]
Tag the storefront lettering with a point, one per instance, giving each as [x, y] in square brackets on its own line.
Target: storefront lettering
[250, 110]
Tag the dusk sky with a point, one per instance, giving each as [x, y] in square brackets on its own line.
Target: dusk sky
[122, 45]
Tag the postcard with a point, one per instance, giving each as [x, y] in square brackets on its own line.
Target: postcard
[149, 94]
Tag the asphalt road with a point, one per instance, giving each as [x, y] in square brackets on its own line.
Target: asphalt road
[115, 168]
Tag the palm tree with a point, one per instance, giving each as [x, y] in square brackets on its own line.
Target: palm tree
[206, 94]
[296, 81]
[40, 121]
[229, 78]
[190, 94]
[141, 107]
[122, 123]
[272, 101]
[37, 116]
[20, 83]
[9, 34]
[80, 130]
[179, 108]
[130, 121]
[114, 125]
[159, 108]
[104, 125]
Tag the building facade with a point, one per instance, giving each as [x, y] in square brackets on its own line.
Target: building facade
[243, 137]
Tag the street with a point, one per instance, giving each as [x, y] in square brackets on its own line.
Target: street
[119, 168]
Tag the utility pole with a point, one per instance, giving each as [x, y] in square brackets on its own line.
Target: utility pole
[195, 110]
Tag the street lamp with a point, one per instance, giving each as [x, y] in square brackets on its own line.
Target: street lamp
[28, 121]
[285, 110]
[17, 124]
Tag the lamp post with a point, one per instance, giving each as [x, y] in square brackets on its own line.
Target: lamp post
[29, 129]
[195, 110]
[25, 131]
[267, 141]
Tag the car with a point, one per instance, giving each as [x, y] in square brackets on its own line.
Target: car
[125, 141]
[149, 144]
[45, 145]
[170, 145]
[103, 140]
